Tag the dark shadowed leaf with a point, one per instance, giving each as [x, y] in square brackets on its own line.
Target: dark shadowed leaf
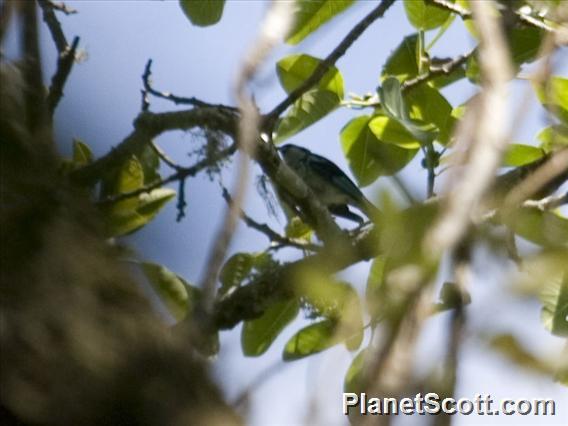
[403, 61]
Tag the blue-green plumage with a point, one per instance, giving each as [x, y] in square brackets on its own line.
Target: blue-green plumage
[328, 182]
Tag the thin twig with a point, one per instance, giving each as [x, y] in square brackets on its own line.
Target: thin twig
[54, 26]
[164, 157]
[271, 234]
[178, 100]
[62, 7]
[466, 14]
[434, 71]
[549, 203]
[330, 60]
[181, 174]
[64, 66]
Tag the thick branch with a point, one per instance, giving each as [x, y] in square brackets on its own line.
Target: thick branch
[149, 125]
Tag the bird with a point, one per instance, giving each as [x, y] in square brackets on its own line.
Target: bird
[328, 182]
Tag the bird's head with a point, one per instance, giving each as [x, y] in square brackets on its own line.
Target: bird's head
[293, 154]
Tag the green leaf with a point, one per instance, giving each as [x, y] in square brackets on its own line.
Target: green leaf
[518, 155]
[395, 107]
[130, 177]
[554, 297]
[368, 156]
[235, 270]
[375, 289]
[311, 107]
[403, 61]
[257, 335]
[171, 289]
[423, 16]
[82, 154]
[391, 131]
[553, 137]
[426, 104]
[203, 12]
[310, 340]
[553, 95]
[508, 346]
[525, 43]
[150, 162]
[544, 228]
[297, 229]
[127, 216]
[293, 70]
[311, 14]
[354, 375]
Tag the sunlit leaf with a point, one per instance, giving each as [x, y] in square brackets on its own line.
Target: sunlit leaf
[391, 131]
[171, 289]
[235, 270]
[553, 137]
[553, 95]
[257, 335]
[82, 154]
[519, 155]
[403, 61]
[311, 14]
[203, 12]
[293, 70]
[368, 156]
[311, 107]
[554, 299]
[424, 16]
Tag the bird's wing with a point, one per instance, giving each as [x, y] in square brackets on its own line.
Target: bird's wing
[334, 175]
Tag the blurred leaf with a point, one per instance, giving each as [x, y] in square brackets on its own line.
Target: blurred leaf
[310, 340]
[368, 156]
[375, 291]
[311, 14]
[509, 347]
[402, 62]
[203, 12]
[293, 70]
[171, 289]
[426, 104]
[518, 155]
[82, 154]
[553, 137]
[451, 297]
[257, 335]
[553, 95]
[235, 270]
[391, 131]
[311, 107]
[353, 377]
[297, 229]
[423, 16]
[554, 299]
[544, 228]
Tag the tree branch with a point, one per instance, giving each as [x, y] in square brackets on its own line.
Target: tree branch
[64, 66]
